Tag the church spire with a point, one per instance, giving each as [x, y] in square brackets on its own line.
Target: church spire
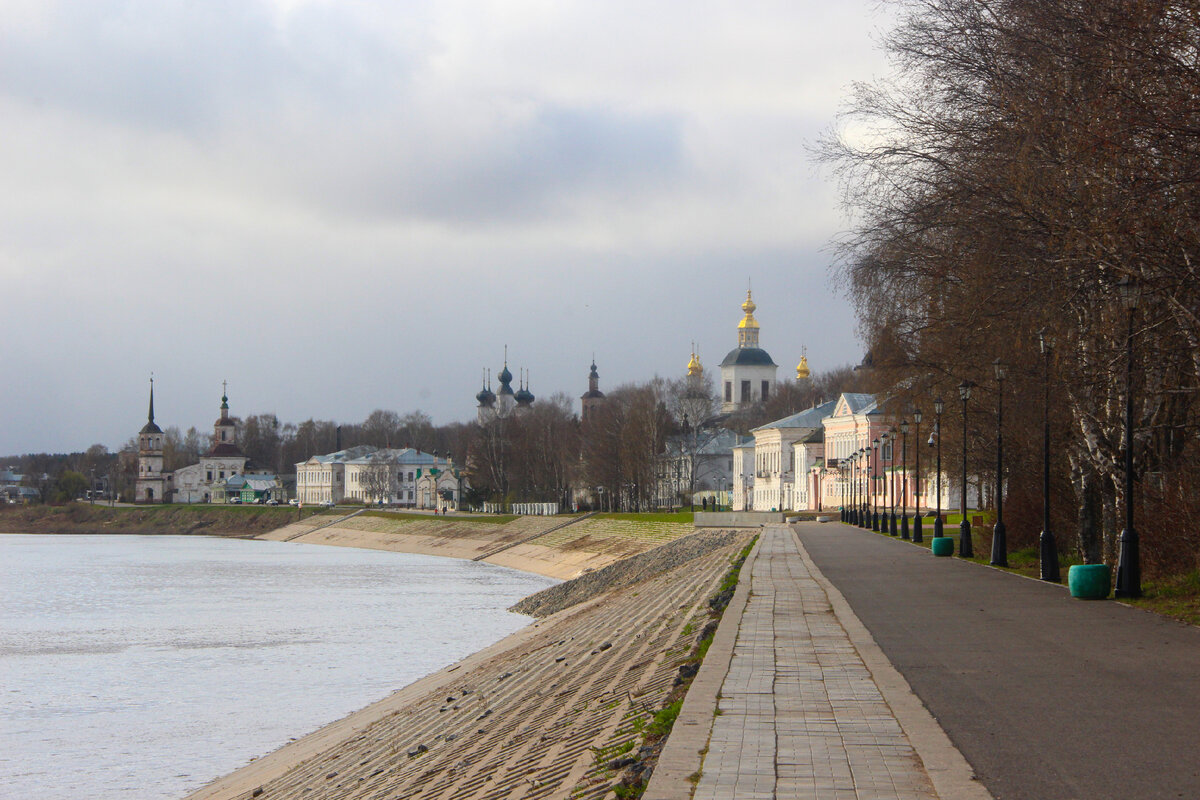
[150, 426]
[748, 327]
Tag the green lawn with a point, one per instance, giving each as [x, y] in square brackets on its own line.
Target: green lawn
[489, 519]
[654, 516]
[1177, 596]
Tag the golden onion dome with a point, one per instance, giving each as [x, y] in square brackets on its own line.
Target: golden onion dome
[694, 368]
[748, 321]
[802, 370]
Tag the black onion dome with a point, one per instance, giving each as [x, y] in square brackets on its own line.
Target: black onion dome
[524, 397]
[486, 397]
[748, 357]
[150, 427]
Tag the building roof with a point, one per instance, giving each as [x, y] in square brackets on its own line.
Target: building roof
[408, 456]
[708, 443]
[224, 450]
[748, 357]
[341, 456]
[859, 402]
[809, 418]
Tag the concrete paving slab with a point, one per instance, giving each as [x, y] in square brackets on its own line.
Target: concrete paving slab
[799, 714]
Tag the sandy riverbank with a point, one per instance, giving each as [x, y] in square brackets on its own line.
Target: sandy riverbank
[535, 715]
[541, 545]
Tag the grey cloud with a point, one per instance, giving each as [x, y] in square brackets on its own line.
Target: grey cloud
[530, 170]
[193, 67]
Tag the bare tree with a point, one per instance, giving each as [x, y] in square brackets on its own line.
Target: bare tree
[1031, 158]
[379, 478]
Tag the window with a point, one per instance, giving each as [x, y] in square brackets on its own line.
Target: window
[209, 478]
[222, 474]
[728, 391]
[766, 390]
[745, 391]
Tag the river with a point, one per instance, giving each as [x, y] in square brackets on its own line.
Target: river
[146, 666]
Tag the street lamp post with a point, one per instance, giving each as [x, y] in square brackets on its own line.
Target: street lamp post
[853, 461]
[904, 479]
[850, 489]
[858, 487]
[1129, 568]
[842, 487]
[938, 407]
[965, 547]
[845, 465]
[867, 480]
[999, 539]
[1047, 549]
[885, 524]
[893, 524]
[874, 492]
[864, 520]
[917, 535]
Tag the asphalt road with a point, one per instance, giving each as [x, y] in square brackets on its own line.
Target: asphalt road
[1048, 698]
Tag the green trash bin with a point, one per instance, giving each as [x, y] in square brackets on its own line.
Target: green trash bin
[1089, 581]
[942, 546]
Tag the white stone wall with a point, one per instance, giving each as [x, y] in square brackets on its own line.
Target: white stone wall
[735, 374]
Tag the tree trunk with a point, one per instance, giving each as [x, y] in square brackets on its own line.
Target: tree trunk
[1089, 521]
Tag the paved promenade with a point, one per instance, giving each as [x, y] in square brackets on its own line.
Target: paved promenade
[1046, 696]
[786, 705]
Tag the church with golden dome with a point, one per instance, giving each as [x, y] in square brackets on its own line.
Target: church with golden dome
[747, 372]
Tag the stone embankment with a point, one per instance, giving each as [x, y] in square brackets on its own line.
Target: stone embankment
[626, 572]
[556, 710]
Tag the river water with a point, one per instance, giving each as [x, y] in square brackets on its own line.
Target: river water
[146, 666]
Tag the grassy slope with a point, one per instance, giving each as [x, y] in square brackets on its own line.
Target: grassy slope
[85, 518]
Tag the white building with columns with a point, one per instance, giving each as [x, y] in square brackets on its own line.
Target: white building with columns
[404, 477]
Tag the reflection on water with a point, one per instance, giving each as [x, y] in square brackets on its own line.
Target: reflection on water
[148, 665]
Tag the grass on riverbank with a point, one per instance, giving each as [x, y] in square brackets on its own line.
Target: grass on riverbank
[482, 519]
[651, 516]
[658, 727]
[1176, 596]
[163, 519]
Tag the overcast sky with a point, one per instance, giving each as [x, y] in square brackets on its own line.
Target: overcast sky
[343, 206]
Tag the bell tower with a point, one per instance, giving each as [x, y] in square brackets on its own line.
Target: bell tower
[151, 482]
[224, 429]
[592, 399]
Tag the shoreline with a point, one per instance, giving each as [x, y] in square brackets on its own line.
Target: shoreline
[601, 615]
[537, 559]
